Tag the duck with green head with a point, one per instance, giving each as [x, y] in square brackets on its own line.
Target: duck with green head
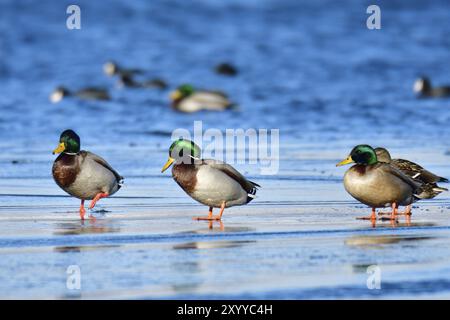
[210, 182]
[378, 184]
[187, 99]
[83, 174]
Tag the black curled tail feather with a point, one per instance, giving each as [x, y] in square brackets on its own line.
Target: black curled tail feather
[120, 180]
[252, 193]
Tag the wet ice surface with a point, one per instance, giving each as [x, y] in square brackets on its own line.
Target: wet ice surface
[311, 70]
[147, 246]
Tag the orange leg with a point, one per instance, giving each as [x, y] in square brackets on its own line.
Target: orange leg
[209, 217]
[408, 211]
[221, 226]
[222, 208]
[394, 211]
[372, 217]
[82, 210]
[210, 214]
[98, 197]
[408, 219]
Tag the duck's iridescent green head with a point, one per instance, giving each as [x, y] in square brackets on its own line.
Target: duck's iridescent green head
[182, 92]
[182, 151]
[361, 154]
[69, 143]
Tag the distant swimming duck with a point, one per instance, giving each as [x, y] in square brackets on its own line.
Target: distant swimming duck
[83, 174]
[226, 69]
[423, 88]
[430, 189]
[187, 99]
[210, 182]
[111, 68]
[85, 94]
[378, 184]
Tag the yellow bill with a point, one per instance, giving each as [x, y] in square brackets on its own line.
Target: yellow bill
[175, 95]
[168, 164]
[61, 147]
[344, 162]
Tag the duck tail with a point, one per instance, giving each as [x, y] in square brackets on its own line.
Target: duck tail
[252, 194]
[255, 184]
[120, 182]
[250, 197]
[439, 189]
[442, 179]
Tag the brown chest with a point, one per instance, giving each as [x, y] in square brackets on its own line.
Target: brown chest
[65, 170]
[186, 176]
[360, 169]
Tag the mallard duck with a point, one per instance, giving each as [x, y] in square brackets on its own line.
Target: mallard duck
[111, 68]
[423, 88]
[187, 99]
[83, 174]
[210, 182]
[86, 94]
[430, 189]
[378, 184]
[226, 69]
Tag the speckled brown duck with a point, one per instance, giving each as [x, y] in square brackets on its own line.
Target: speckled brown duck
[430, 189]
[210, 182]
[83, 174]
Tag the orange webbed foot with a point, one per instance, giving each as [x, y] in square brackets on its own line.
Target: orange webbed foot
[96, 198]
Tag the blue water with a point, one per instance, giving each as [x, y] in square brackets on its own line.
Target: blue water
[311, 69]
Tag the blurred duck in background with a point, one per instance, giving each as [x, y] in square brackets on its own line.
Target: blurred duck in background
[128, 81]
[127, 77]
[187, 99]
[111, 69]
[85, 94]
[423, 88]
[226, 69]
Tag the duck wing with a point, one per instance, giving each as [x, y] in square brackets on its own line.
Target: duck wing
[416, 171]
[249, 186]
[416, 185]
[210, 98]
[102, 162]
